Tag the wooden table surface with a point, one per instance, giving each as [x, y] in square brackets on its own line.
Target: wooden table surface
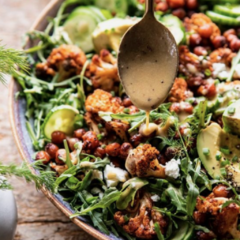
[38, 219]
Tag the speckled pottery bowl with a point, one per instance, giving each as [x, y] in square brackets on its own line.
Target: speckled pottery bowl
[23, 141]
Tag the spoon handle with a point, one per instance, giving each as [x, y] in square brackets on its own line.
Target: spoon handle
[149, 6]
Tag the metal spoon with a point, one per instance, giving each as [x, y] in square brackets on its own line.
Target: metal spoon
[148, 61]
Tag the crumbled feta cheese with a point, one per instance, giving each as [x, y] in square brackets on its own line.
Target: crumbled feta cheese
[114, 175]
[187, 132]
[172, 168]
[155, 198]
[223, 75]
[219, 70]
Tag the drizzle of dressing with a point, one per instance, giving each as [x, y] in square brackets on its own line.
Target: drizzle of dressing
[159, 130]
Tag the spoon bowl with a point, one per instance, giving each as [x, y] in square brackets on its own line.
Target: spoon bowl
[148, 61]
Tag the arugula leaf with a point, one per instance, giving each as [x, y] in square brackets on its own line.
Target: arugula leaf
[95, 217]
[129, 191]
[177, 199]
[71, 172]
[158, 185]
[192, 195]
[158, 231]
[103, 203]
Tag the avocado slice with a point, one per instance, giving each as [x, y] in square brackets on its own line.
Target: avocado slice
[218, 150]
[231, 118]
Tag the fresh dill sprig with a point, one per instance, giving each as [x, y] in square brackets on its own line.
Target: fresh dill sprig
[10, 59]
[45, 178]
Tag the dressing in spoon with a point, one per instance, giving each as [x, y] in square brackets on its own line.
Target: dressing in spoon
[148, 62]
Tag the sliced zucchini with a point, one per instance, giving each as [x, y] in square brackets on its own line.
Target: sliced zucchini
[81, 24]
[60, 118]
[114, 6]
[175, 26]
[102, 14]
[228, 10]
[222, 19]
[214, 2]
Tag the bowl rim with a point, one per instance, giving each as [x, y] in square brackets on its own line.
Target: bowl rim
[11, 102]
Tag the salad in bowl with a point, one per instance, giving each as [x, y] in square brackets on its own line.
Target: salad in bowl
[179, 181]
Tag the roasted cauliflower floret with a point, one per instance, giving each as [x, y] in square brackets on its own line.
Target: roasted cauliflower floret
[141, 223]
[197, 21]
[120, 128]
[103, 101]
[103, 71]
[91, 122]
[221, 55]
[190, 65]
[222, 221]
[67, 60]
[179, 91]
[142, 162]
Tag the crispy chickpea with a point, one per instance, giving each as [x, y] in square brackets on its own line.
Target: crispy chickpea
[79, 133]
[192, 4]
[42, 155]
[100, 152]
[235, 45]
[51, 149]
[71, 143]
[180, 13]
[205, 31]
[195, 39]
[60, 154]
[222, 191]
[219, 41]
[231, 37]
[124, 150]
[229, 32]
[58, 137]
[200, 51]
[176, 3]
[208, 90]
[90, 141]
[171, 152]
[175, 107]
[113, 149]
[133, 109]
[127, 102]
[188, 108]
[136, 139]
[162, 6]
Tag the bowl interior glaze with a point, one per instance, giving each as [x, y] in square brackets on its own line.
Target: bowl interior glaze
[23, 141]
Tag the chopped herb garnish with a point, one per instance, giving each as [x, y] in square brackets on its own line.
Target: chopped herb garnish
[206, 151]
[218, 156]
[225, 150]
[223, 172]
